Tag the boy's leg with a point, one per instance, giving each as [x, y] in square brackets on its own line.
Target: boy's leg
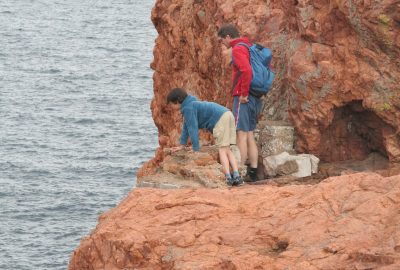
[255, 105]
[227, 158]
[237, 180]
[221, 135]
[225, 135]
[241, 140]
[223, 158]
[232, 160]
[253, 157]
[252, 150]
[241, 114]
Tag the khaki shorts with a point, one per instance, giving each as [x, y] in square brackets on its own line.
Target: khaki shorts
[224, 131]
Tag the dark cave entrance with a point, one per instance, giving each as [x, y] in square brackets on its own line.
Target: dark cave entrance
[354, 134]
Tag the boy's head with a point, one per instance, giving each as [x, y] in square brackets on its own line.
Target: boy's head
[228, 30]
[227, 33]
[176, 96]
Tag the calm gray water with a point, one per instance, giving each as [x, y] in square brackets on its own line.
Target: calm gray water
[75, 89]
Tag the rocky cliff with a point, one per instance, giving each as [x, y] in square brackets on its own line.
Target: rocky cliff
[337, 65]
[338, 71]
[346, 222]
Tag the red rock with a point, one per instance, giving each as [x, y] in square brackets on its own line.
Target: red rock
[338, 73]
[345, 222]
[328, 57]
[185, 169]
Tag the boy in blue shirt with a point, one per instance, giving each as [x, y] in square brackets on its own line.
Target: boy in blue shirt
[216, 119]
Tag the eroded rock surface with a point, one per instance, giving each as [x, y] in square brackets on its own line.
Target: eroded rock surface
[345, 222]
[337, 66]
[338, 73]
[184, 169]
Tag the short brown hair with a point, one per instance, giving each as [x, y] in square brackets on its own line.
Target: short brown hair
[228, 30]
[176, 95]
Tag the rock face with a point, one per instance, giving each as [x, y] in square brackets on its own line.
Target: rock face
[346, 222]
[338, 72]
[337, 66]
[183, 169]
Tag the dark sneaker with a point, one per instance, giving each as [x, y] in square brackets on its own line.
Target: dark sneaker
[229, 181]
[251, 175]
[237, 181]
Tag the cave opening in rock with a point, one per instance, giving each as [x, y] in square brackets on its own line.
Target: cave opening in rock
[355, 133]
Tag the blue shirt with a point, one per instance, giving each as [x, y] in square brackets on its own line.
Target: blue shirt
[198, 115]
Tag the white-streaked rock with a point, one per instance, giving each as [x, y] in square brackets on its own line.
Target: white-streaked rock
[307, 164]
[314, 162]
[276, 139]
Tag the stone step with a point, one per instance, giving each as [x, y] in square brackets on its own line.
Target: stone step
[275, 138]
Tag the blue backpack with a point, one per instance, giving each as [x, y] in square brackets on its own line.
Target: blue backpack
[260, 59]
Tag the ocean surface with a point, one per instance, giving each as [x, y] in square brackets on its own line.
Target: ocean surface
[75, 92]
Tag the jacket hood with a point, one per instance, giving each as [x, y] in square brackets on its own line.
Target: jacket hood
[189, 99]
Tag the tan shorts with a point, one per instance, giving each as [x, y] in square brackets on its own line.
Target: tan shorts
[224, 131]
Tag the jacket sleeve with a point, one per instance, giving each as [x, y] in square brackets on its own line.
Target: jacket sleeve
[242, 62]
[184, 135]
[191, 129]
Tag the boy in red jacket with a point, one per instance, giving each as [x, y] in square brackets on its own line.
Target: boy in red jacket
[246, 107]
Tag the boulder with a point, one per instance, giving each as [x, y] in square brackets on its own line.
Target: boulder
[275, 139]
[296, 165]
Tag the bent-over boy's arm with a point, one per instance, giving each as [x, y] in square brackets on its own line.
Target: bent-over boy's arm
[192, 127]
[184, 135]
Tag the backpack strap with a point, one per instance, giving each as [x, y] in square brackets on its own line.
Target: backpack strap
[243, 44]
[238, 73]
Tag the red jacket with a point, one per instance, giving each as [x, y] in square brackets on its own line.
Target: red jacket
[241, 57]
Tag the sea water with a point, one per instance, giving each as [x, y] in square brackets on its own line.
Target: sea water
[75, 92]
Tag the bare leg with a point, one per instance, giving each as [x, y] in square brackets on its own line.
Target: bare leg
[241, 137]
[223, 158]
[252, 149]
[232, 160]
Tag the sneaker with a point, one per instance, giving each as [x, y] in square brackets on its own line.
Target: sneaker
[251, 175]
[229, 181]
[237, 181]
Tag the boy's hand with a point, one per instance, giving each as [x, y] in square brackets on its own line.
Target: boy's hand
[180, 147]
[244, 99]
[176, 148]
